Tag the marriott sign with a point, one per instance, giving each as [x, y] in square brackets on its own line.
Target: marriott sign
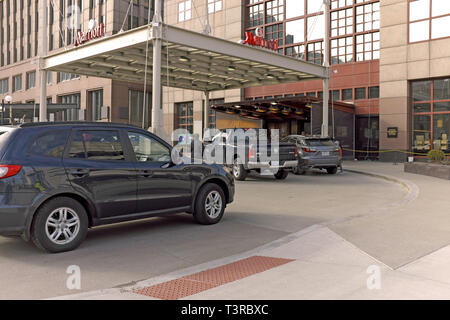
[94, 33]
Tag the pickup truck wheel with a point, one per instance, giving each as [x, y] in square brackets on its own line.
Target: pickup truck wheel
[210, 204]
[332, 170]
[239, 171]
[60, 225]
[281, 175]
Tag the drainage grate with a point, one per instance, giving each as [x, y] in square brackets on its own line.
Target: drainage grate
[208, 279]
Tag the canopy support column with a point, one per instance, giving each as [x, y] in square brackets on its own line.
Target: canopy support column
[156, 85]
[42, 72]
[206, 115]
[326, 64]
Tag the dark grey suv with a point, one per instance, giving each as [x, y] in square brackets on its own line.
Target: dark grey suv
[59, 179]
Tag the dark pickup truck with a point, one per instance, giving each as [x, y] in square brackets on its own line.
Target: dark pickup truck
[246, 155]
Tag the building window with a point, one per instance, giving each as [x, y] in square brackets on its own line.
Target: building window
[4, 86]
[212, 113]
[342, 50]
[64, 76]
[17, 83]
[185, 116]
[136, 102]
[368, 17]
[31, 80]
[374, 92]
[368, 46]
[315, 52]
[335, 95]
[49, 77]
[275, 32]
[342, 22]
[428, 19]
[214, 6]
[295, 31]
[255, 15]
[296, 51]
[347, 94]
[431, 115]
[184, 10]
[96, 104]
[360, 93]
[274, 11]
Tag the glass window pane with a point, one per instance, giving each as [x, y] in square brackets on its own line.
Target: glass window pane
[419, 31]
[316, 28]
[440, 7]
[147, 149]
[49, 144]
[347, 94]
[374, 92]
[419, 9]
[360, 93]
[440, 27]
[295, 31]
[441, 131]
[294, 8]
[103, 145]
[421, 133]
[441, 106]
[421, 107]
[313, 5]
[421, 90]
[441, 89]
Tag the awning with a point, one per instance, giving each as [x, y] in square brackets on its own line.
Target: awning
[190, 60]
[279, 109]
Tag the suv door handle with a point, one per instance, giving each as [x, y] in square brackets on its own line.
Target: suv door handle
[80, 172]
[145, 173]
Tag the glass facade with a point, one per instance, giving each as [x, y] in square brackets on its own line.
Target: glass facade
[428, 19]
[430, 115]
[298, 26]
[184, 117]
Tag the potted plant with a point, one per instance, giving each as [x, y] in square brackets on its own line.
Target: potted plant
[436, 156]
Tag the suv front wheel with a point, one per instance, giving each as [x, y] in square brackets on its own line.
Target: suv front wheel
[210, 204]
[60, 225]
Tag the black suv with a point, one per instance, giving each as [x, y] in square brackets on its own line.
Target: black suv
[59, 179]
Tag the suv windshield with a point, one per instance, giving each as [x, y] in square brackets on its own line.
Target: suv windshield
[320, 143]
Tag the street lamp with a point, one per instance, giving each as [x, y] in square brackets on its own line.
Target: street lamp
[8, 99]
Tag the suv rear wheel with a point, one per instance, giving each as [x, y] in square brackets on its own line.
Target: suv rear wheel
[210, 204]
[60, 225]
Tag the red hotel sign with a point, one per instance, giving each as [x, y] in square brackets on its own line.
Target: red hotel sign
[257, 41]
[95, 33]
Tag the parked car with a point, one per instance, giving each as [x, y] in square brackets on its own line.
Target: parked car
[59, 179]
[316, 152]
[286, 153]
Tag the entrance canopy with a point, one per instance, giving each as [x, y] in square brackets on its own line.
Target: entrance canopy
[189, 60]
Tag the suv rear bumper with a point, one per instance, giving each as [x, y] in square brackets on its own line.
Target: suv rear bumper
[267, 164]
[12, 220]
[321, 163]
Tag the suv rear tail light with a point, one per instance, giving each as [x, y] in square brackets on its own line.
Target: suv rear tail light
[309, 150]
[340, 152]
[9, 170]
[296, 151]
[251, 153]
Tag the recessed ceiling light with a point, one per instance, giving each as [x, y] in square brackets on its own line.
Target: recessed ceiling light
[183, 59]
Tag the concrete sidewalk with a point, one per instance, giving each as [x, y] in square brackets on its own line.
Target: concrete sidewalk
[397, 252]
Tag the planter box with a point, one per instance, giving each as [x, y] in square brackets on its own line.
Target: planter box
[428, 169]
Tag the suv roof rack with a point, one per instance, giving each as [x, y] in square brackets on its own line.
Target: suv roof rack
[87, 123]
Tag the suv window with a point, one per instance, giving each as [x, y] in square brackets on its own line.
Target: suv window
[147, 149]
[320, 143]
[96, 145]
[49, 144]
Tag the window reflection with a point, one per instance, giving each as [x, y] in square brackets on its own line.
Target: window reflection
[294, 8]
[419, 9]
[440, 7]
[419, 31]
[295, 31]
[316, 28]
[440, 27]
[314, 6]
